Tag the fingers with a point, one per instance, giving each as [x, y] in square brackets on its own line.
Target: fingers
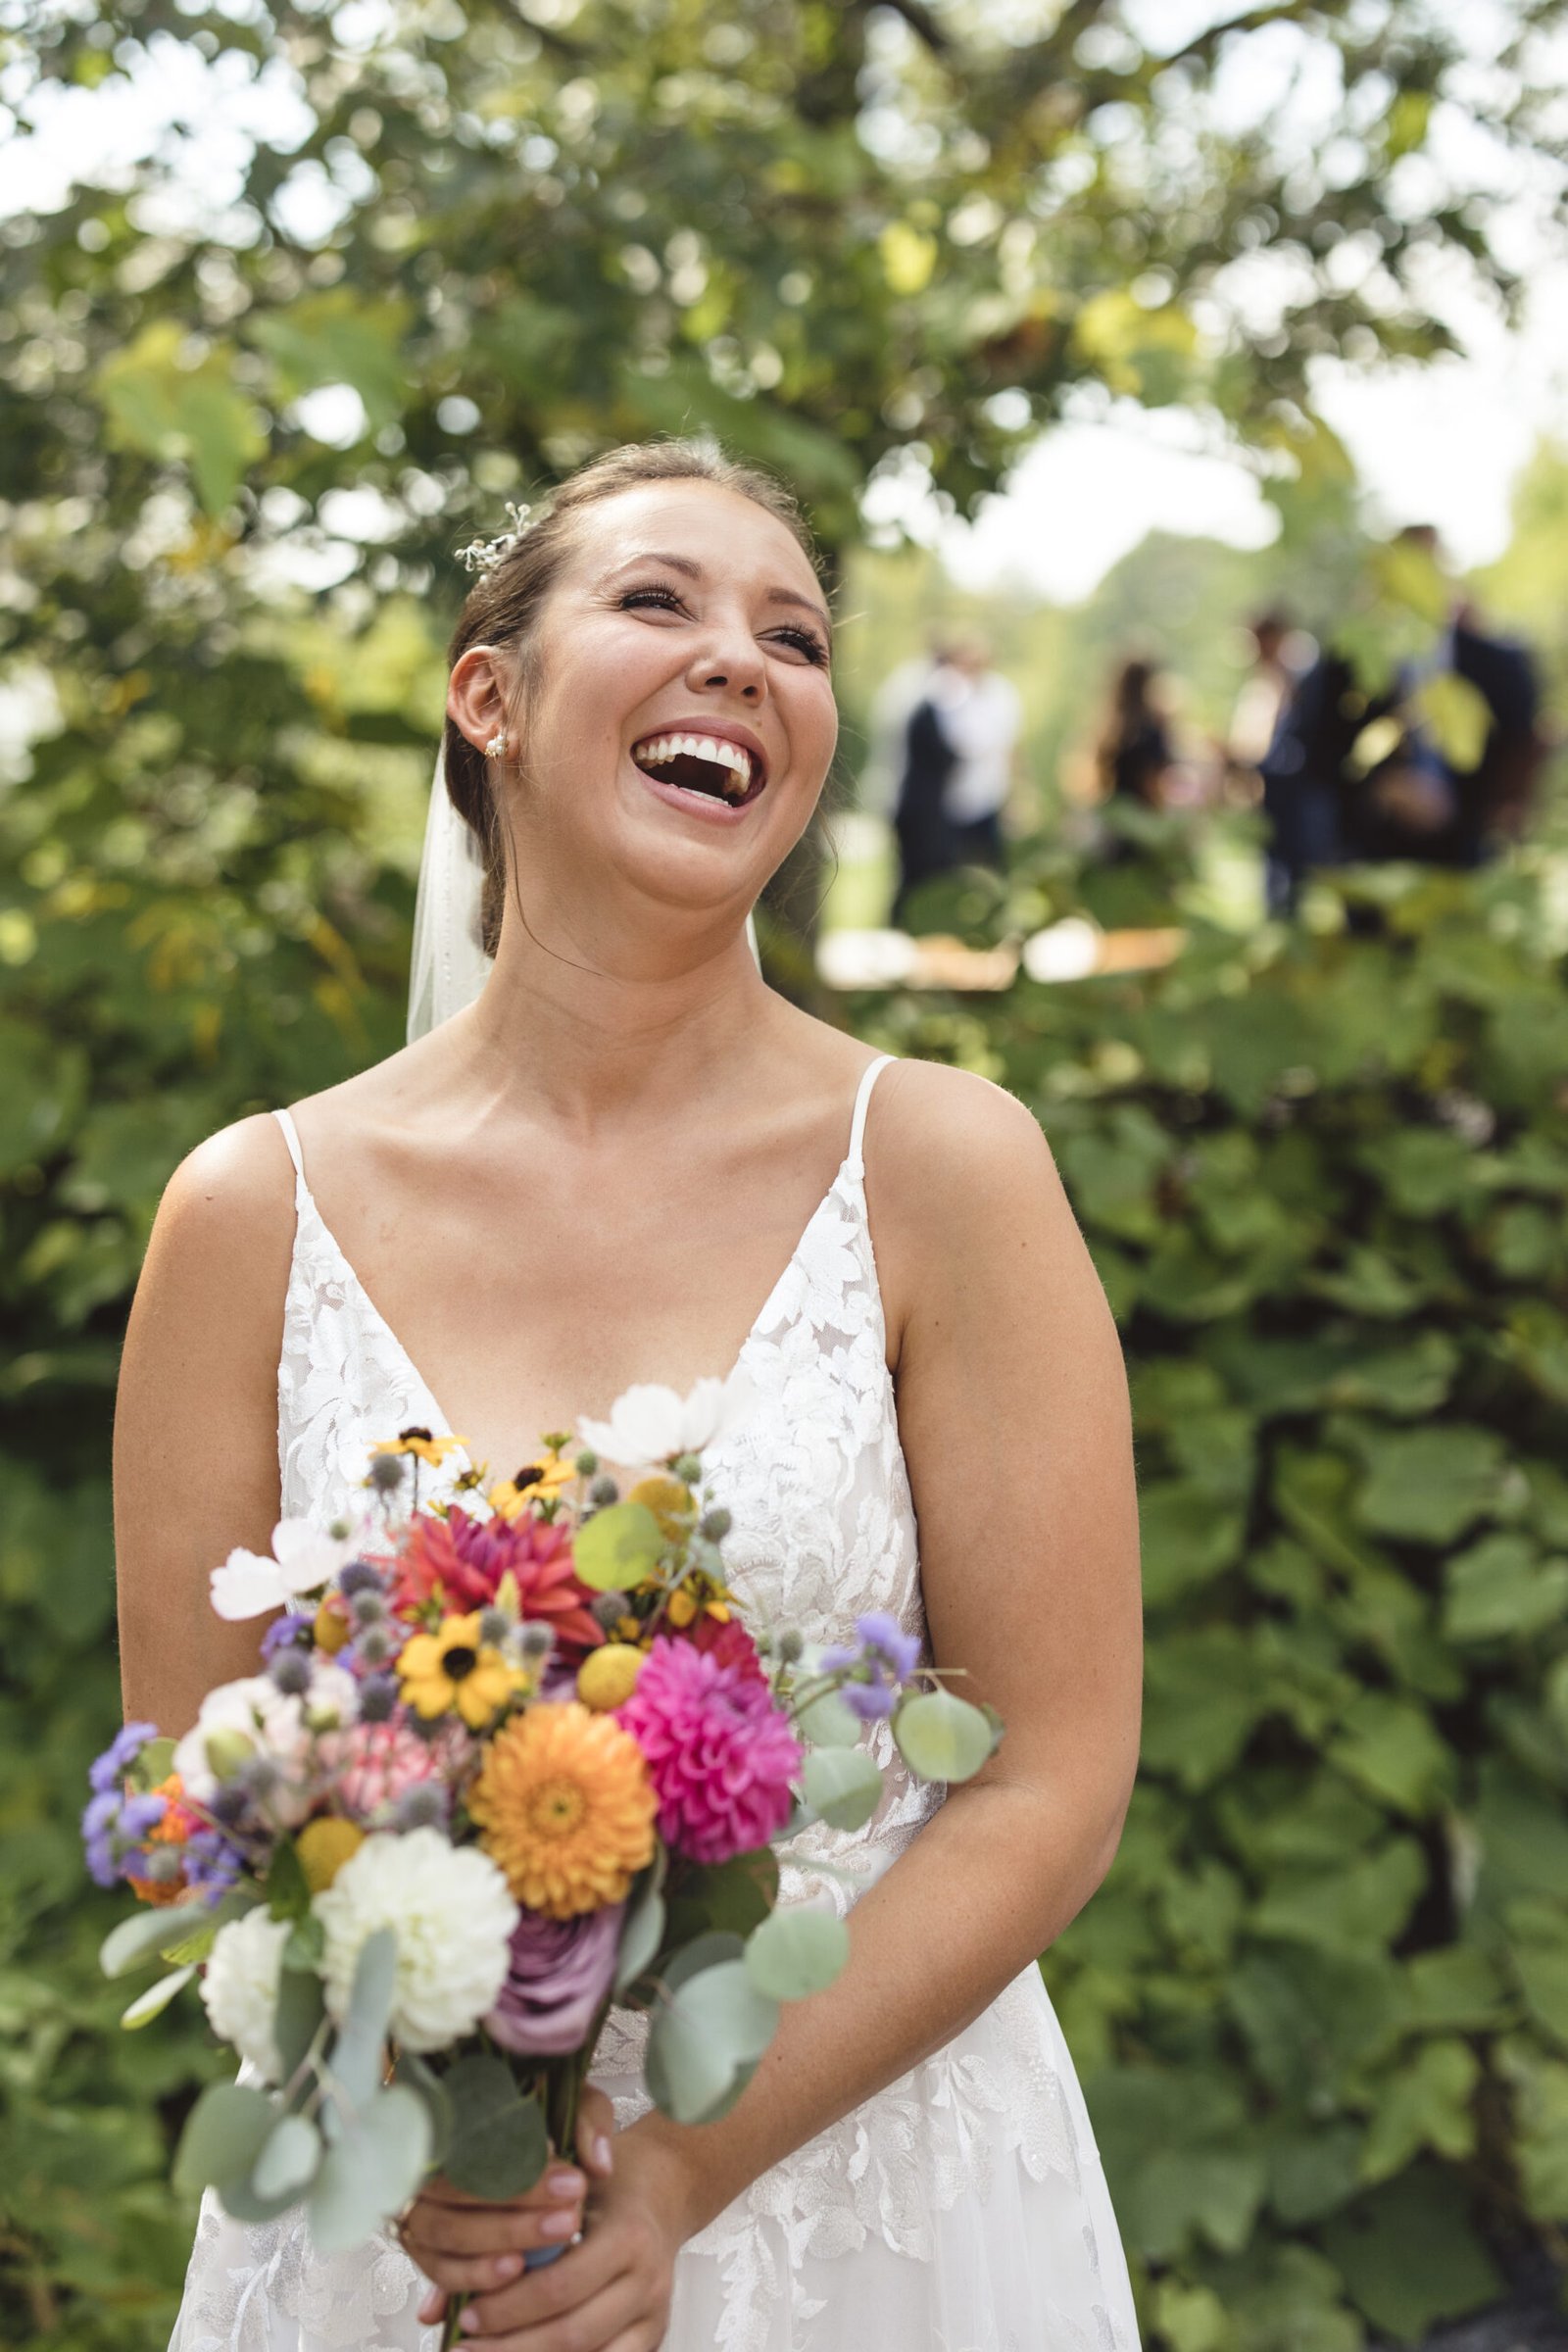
[468, 2248]
[549, 2296]
[596, 2126]
[600, 2320]
[560, 2185]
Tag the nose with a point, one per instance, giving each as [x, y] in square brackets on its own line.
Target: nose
[730, 657]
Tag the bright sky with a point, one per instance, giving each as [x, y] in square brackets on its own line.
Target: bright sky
[1441, 444]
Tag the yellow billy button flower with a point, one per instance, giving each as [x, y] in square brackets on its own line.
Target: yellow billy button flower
[331, 1630]
[431, 1449]
[669, 1499]
[453, 1668]
[608, 1676]
[324, 1846]
[541, 1481]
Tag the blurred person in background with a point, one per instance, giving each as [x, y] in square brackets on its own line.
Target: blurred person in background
[1358, 777]
[959, 763]
[1260, 702]
[1136, 758]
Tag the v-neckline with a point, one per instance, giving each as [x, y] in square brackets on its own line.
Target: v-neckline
[440, 1414]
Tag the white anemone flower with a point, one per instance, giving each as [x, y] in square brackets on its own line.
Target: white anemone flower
[650, 1424]
[450, 1911]
[278, 1726]
[239, 1986]
[302, 1559]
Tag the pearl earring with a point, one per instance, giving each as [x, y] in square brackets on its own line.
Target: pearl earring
[496, 747]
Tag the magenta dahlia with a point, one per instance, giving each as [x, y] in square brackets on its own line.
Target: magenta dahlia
[721, 1754]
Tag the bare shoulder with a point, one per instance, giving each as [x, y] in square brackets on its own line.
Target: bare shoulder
[945, 1145]
[221, 1241]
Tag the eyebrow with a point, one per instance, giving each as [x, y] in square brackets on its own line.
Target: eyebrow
[693, 572]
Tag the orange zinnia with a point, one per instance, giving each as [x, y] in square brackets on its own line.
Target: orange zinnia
[566, 1809]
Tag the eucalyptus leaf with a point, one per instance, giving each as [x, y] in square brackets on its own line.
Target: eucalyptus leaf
[156, 1999]
[499, 2143]
[287, 2164]
[423, 2080]
[942, 1736]
[642, 1930]
[799, 1950]
[733, 1897]
[705, 2041]
[711, 1950]
[843, 1784]
[827, 1722]
[298, 2017]
[147, 1935]
[224, 2136]
[370, 2171]
[618, 1548]
[356, 2059]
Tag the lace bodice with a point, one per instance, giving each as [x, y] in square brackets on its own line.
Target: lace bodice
[813, 1475]
[967, 2193]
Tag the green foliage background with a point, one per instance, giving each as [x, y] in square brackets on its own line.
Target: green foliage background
[1322, 2006]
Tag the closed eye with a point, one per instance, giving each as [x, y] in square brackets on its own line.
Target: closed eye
[808, 640]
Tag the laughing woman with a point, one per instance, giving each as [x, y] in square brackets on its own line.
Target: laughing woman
[627, 1159]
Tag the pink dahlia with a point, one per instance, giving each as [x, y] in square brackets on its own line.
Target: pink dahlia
[373, 1765]
[721, 1754]
[459, 1562]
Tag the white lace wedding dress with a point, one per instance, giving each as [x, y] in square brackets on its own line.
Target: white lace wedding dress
[963, 2209]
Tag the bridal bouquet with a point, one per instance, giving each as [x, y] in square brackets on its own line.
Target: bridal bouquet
[512, 1755]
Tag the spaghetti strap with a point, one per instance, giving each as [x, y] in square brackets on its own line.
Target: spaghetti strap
[285, 1120]
[855, 1166]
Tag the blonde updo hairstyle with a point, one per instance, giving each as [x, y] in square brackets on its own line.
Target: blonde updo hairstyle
[503, 606]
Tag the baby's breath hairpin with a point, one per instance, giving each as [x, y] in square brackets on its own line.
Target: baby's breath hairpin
[483, 555]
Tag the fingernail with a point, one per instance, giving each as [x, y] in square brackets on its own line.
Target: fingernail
[565, 2185]
[603, 2155]
[509, 2265]
[558, 2225]
[470, 2321]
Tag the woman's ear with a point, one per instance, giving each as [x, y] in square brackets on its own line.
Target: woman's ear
[478, 693]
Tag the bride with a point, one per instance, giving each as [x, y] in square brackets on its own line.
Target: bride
[589, 1175]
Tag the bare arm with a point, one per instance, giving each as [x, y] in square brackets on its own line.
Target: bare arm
[196, 1417]
[1012, 1409]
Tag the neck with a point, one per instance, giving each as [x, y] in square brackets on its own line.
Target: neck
[583, 1035]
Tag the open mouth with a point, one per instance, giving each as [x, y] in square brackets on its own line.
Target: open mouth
[708, 765]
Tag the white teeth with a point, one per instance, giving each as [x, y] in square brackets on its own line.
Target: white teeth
[658, 750]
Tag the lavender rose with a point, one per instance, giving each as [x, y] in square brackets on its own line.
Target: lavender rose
[560, 1974]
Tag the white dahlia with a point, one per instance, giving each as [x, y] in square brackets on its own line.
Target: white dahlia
[240, 1987]
[449, 1908]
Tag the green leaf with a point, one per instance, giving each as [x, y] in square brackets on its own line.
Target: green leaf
[225, 2134]
[287, 2163]
[1390, 1748]
[732, 1895]
[1501, 1590]
[298, 2017]
[829, 1722]
[1427, 2104]
[618, 1548]
[799, 1950]
[844, 1785]
[370, 2172]
[288, 1891]
[156, 1999]
[1409, 2254]
[1365, 1904]
[705, 2041]
[357, 2055]
[149, 1934]
[940, 1737]
[1428, 1485]
[499, 2143]
[642, 1930]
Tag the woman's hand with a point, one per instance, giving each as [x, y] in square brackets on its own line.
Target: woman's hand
[465, 2246]
[611, 2292]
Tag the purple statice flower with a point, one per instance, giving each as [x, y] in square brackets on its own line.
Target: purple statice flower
[882, 1659]
[109, 1770]
[212, 1862]
[291, 1630]
[114, 1830]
